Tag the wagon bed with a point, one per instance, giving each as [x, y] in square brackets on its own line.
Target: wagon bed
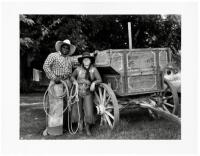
[134, 78]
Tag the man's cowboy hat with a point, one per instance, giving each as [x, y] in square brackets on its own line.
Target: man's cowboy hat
[86, 55]
[59, 44]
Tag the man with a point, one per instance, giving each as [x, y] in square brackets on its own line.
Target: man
[58, 66]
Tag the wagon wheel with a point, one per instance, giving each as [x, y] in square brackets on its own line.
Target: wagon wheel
[170, 101]
[106, 105]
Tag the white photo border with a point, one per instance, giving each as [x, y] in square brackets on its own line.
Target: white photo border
[11, 144]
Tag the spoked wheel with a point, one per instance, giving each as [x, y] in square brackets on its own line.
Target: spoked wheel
[170, 99]
[106, 105]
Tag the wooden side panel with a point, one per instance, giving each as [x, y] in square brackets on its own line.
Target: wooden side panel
[143, 71]
[140, 61]
[117, 61]
[163, 58]
[142, 83]
[139, 69]
[103, 58]
[110, 58]
[116, 83]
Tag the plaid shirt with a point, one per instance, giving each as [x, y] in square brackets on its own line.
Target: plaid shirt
[58, 66]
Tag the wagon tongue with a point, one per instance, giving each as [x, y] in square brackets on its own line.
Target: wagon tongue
[161, 112]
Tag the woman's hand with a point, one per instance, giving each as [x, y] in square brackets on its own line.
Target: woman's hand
[92, 87]
[75, 82]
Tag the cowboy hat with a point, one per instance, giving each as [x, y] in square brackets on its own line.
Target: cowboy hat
[59, 44]
[86, 55]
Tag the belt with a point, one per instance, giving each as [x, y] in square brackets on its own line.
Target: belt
[64, 77]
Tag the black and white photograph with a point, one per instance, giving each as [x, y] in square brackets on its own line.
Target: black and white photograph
[100, 76]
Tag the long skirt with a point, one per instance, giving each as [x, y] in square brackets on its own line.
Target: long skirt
[86, 110]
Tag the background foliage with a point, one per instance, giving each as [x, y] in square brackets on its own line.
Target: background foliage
[38, 34]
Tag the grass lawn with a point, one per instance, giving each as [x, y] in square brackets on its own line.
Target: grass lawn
[133, 124]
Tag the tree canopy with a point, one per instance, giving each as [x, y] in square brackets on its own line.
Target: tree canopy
[38, 34]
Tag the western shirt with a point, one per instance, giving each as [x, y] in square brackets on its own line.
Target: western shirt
[57, 65]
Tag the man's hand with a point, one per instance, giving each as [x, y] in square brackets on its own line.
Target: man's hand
[92, 87]
[57, 80]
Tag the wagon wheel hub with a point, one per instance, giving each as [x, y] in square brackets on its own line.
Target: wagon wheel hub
[101, 109]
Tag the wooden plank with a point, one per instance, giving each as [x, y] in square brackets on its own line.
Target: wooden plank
[163, 58]
[142, 83]
[158, 78]
[161, 112]
[125, 73]
[137, 93]
[113, 57]
[137, 49]
[103, 58]
[114, 81]
[118, 88]
[117, 61]
[142, 72]
[169, 55]
[141, 60]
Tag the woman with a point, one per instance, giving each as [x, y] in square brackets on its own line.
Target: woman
[87, 76]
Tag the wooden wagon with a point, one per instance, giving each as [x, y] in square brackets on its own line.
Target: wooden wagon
[134, 78]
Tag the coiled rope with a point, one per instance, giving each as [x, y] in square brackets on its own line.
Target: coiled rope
[73, 99]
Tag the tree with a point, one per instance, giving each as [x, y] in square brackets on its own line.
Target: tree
[38, 34]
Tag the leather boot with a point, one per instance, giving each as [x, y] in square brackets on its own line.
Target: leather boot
[87, 127]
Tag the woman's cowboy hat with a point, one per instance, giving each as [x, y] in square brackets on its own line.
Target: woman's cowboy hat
[60, 43]
[86, 55]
